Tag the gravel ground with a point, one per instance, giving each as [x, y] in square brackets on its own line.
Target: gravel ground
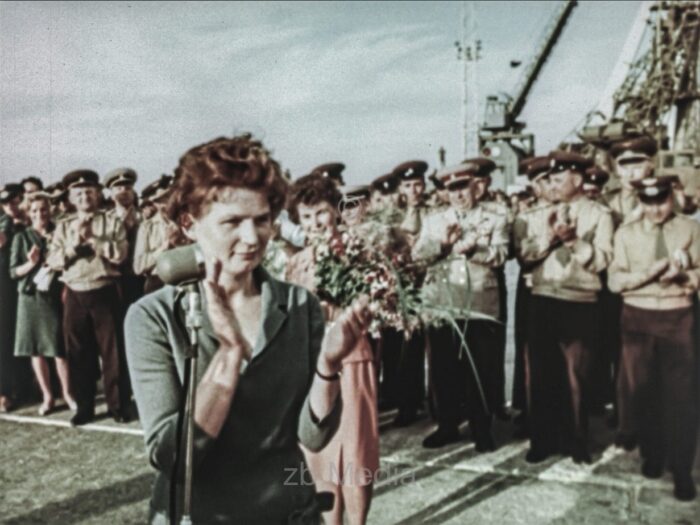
[61, 475]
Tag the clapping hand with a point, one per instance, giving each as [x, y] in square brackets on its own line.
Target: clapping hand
[34, 255]
[223, 320]
[561, 231]
[467, 245]
[451, 235]
[673, 273]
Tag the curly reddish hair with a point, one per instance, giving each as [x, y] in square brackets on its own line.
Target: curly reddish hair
[238, 162]
[310, 190]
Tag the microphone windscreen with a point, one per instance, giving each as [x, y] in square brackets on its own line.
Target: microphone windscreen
[181, 265]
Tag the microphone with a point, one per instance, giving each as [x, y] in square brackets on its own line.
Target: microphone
[181, 265]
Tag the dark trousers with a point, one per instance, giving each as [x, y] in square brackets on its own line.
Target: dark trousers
[8, 320]
[500, 348]
[605, 367]
[454, 379]
[403, 369]
[560, 341]
[92, 330]
[131, 289]
[659, 365]
[522, 298]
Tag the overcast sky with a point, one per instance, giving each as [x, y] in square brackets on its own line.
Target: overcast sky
[103, 85]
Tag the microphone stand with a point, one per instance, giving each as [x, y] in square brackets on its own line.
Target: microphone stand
[193, 323]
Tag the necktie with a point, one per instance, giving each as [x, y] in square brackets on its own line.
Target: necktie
[563, 253]
[660, 250]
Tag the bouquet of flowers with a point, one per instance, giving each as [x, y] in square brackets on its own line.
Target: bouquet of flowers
[349, 265]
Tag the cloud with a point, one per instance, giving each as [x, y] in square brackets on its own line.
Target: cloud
[107, 84]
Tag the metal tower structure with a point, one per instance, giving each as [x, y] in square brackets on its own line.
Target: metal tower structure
[469, 52]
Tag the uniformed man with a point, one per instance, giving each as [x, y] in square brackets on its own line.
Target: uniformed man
[464, 245]
[411, 177]
[594, 183]
[524, 226]
[60, 206]
[608, 352]
[155, 235]
[120, 183]
[88, 248]
[489, 200]
[11, 221]
[354, 205]
[573, 244]
[633, 159]
[656, 268]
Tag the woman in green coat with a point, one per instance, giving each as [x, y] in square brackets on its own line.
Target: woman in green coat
[44, 338]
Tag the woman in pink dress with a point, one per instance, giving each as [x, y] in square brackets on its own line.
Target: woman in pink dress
[347, 466]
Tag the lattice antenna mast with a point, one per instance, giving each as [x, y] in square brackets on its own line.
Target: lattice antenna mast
[469, 52]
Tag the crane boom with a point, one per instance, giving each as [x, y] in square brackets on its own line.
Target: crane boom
[553, 31]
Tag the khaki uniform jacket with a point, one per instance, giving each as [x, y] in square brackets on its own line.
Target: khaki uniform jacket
[624, 205]
[131, 223]
[152, 235]
[635, 253]
[568, 273]
[100, 269]
[450, 275]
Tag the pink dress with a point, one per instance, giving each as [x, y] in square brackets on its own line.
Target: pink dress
[352, 455]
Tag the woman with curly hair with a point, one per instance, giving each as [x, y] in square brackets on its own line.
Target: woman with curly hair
[349, 463]
[266, 368]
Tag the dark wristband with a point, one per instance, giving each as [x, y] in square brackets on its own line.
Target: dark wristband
[334, 377]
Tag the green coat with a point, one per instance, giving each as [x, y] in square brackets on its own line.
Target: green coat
[32, 338]
[251, 472]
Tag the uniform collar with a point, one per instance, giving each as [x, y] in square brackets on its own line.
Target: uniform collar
[649, 226]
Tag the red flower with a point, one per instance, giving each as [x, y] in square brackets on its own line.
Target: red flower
[337, 246]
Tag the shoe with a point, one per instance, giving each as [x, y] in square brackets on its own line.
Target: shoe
[684, 487]
[404, 419]
[651, 470]
[71, 404]
[441, 437]
[625, 441]
[82, 417]
[580, 454]
[46, 407]
[484, 443]
[502, 414]
[119, 416]
[536, 456]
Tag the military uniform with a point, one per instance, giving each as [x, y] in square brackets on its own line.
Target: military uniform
[131, 284]
[468, 286]
[563, 308]
[89, 255]
[154, 235]
[524, 226]
[659, 354]
[403, 360]
[503, 210]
